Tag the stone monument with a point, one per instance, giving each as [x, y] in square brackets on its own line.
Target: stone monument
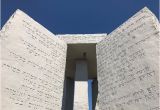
[43, 71]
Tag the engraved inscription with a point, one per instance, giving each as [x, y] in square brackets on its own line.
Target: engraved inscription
[33, 64]
[127, 61]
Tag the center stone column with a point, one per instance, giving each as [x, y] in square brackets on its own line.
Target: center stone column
[81, 86]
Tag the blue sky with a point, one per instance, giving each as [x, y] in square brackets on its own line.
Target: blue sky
[78, 16]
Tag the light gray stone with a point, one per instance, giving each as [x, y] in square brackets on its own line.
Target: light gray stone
[81, 86]
[32, 65]
[82, 38]
[128, 65]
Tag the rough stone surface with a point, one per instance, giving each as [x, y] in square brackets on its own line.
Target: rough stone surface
[82, 38]
[81, 86]
[32, 65]
[128, 65]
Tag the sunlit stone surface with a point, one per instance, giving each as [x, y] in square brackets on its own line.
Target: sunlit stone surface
[128, 65]
[81, 86]
[38, 68]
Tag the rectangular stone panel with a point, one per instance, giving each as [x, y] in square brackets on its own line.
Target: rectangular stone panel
[128, 65]
[81, 86]
[81, 95]
[82, 38]
[32, 65]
